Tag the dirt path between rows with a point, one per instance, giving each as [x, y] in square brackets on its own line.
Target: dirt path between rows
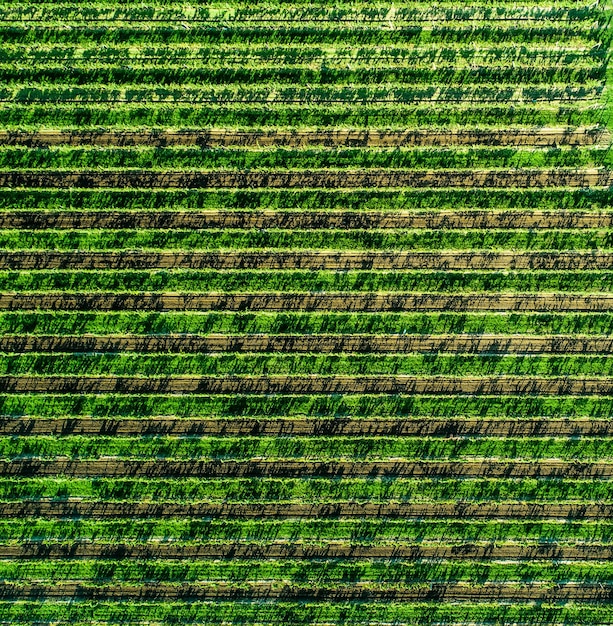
[110, 467]
[367, 427]
[307, 260]
[465, 511]
[322, 179]
[215, 138]
[358, 302]
[317, 344]
[430, 592]
[308, 220]
[305, 550]
[311, 384]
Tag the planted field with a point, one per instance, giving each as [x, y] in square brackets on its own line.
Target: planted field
[306, 313]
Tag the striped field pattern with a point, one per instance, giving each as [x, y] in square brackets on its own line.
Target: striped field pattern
[306, 313]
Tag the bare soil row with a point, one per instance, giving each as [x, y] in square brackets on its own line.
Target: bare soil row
[216, 138]
[428, 592]
[318, 344]
[359, 302]
[465, 511]
[308, 220]
[307, 260]
[312, 384]
[301, 550]
[325, 179]
[411, 427]
[112, 467]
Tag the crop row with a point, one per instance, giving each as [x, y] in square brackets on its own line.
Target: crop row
[285, 32]
[315, 573]
[322, 612]
[299, 448]
[125, 242]
[576, 53]
[312, 4]
[337, 592]
[106, 571]
[305, 405]
[307, 290]
[148, 158]
[494, 363]
[348, 94]
[158, 241]
[467, 535]
[577, 326]
[403, 12]
[241, 115]
[454, 202]
[299, 426]
[391, 73]
[186, 489]
[225, 455]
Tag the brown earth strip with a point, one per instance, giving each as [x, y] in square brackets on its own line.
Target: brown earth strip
[74, 508]
[302, 550]
[411, 427]
[307, 260]
[326, 179]
[215, 138]
[111, 467]
[307, 220]
[359, 302]
[433, 592]
[318, 344]
[312, 384]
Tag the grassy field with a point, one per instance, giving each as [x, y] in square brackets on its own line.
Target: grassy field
[306, 313]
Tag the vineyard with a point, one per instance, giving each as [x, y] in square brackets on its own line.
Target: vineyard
[306, 313]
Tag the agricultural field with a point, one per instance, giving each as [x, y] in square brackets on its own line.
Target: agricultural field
[306, 313]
